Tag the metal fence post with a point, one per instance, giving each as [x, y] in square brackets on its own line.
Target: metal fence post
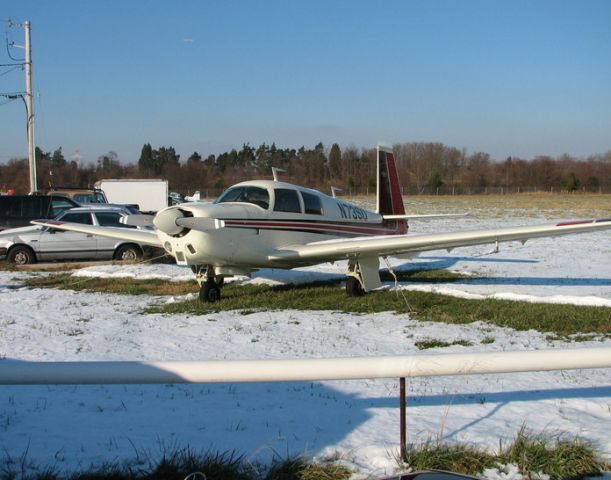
[402, 420]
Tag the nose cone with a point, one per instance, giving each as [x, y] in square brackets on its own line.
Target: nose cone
[165, 221]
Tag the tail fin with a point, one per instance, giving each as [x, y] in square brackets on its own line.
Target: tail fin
[389, 201]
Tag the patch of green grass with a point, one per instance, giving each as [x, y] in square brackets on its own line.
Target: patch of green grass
[125, 286]
[532, 454]
[560, 320]
[555, 456]
[433, 343]
[301, 469]
[452, 458]
[184, 463]
[7, 267]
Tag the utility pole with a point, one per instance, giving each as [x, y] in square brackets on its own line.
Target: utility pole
[27, 100]
[30, 107]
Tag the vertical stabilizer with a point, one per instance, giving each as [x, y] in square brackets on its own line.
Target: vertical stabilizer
[389, 200]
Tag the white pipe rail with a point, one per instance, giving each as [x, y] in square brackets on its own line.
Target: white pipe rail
[14, 372]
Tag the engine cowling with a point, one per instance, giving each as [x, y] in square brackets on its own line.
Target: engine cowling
[165, 221]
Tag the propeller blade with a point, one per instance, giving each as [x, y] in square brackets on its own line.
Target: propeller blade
[138, 220]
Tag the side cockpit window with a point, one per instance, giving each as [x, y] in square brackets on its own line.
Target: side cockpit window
[287, 200]
[255, 195]
[312, 203]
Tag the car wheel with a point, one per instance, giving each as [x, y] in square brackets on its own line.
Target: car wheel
[21, 255]
[128, 253]
[353, 287]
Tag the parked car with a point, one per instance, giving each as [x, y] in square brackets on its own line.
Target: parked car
[79, 194]
[19, 210]
[36, 243]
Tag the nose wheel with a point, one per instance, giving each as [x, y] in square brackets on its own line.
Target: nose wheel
[210, 291]
[209, 284]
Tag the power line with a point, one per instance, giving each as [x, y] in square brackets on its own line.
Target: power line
[11, 69]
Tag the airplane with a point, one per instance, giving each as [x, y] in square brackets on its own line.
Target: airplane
[272, 224]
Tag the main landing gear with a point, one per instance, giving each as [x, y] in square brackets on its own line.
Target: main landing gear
[209, 284]
[354, 287]
[363, 275]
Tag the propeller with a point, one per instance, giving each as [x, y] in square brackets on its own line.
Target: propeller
[174, 221]
[138, 220]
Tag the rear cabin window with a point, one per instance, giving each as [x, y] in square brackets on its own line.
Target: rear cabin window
[312, 203]
[287, 200]
[255, 195]
[77, 217]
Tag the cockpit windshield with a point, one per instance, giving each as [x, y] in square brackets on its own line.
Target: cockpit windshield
[255, 195]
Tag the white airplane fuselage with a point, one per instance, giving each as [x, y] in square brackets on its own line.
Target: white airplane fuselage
[241, 236]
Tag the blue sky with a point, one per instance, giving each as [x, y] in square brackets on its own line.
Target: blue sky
[515, 77]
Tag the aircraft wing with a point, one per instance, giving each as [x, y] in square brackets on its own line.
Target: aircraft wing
[400, 244]
[425, 217]
[145, 237]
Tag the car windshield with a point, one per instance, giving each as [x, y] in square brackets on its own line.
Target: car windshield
[255, 195]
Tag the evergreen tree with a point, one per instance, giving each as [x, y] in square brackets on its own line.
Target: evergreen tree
[57, 159]
[194, 158]
[435, 182]
[335, 161]
[146, 158]
[569, 182]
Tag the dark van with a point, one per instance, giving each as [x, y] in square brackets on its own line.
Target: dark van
[18, 210]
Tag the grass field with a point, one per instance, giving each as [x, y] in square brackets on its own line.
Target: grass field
[576, 322]
[542, 205]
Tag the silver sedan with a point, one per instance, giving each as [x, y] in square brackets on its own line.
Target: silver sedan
[25, 245]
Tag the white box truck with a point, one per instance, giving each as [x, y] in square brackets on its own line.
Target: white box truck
[149, 195]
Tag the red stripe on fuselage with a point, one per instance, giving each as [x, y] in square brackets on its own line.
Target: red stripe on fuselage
[326, 228]
[574, 222]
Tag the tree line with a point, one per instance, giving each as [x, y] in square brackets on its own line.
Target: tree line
[424, 168]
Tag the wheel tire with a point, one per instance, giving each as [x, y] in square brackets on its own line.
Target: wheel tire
[353, 287]
[128, 253]
[21, 255]
[210, 292]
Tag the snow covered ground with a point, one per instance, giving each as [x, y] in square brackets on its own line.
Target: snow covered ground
[73, 427]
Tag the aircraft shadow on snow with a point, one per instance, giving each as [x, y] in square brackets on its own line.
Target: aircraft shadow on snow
[435, 263]
[300, 277]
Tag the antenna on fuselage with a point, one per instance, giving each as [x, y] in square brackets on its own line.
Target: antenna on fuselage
[276, 171]
[334, 191]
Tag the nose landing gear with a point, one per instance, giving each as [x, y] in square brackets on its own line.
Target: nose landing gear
[210, 291]
[209, 284]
